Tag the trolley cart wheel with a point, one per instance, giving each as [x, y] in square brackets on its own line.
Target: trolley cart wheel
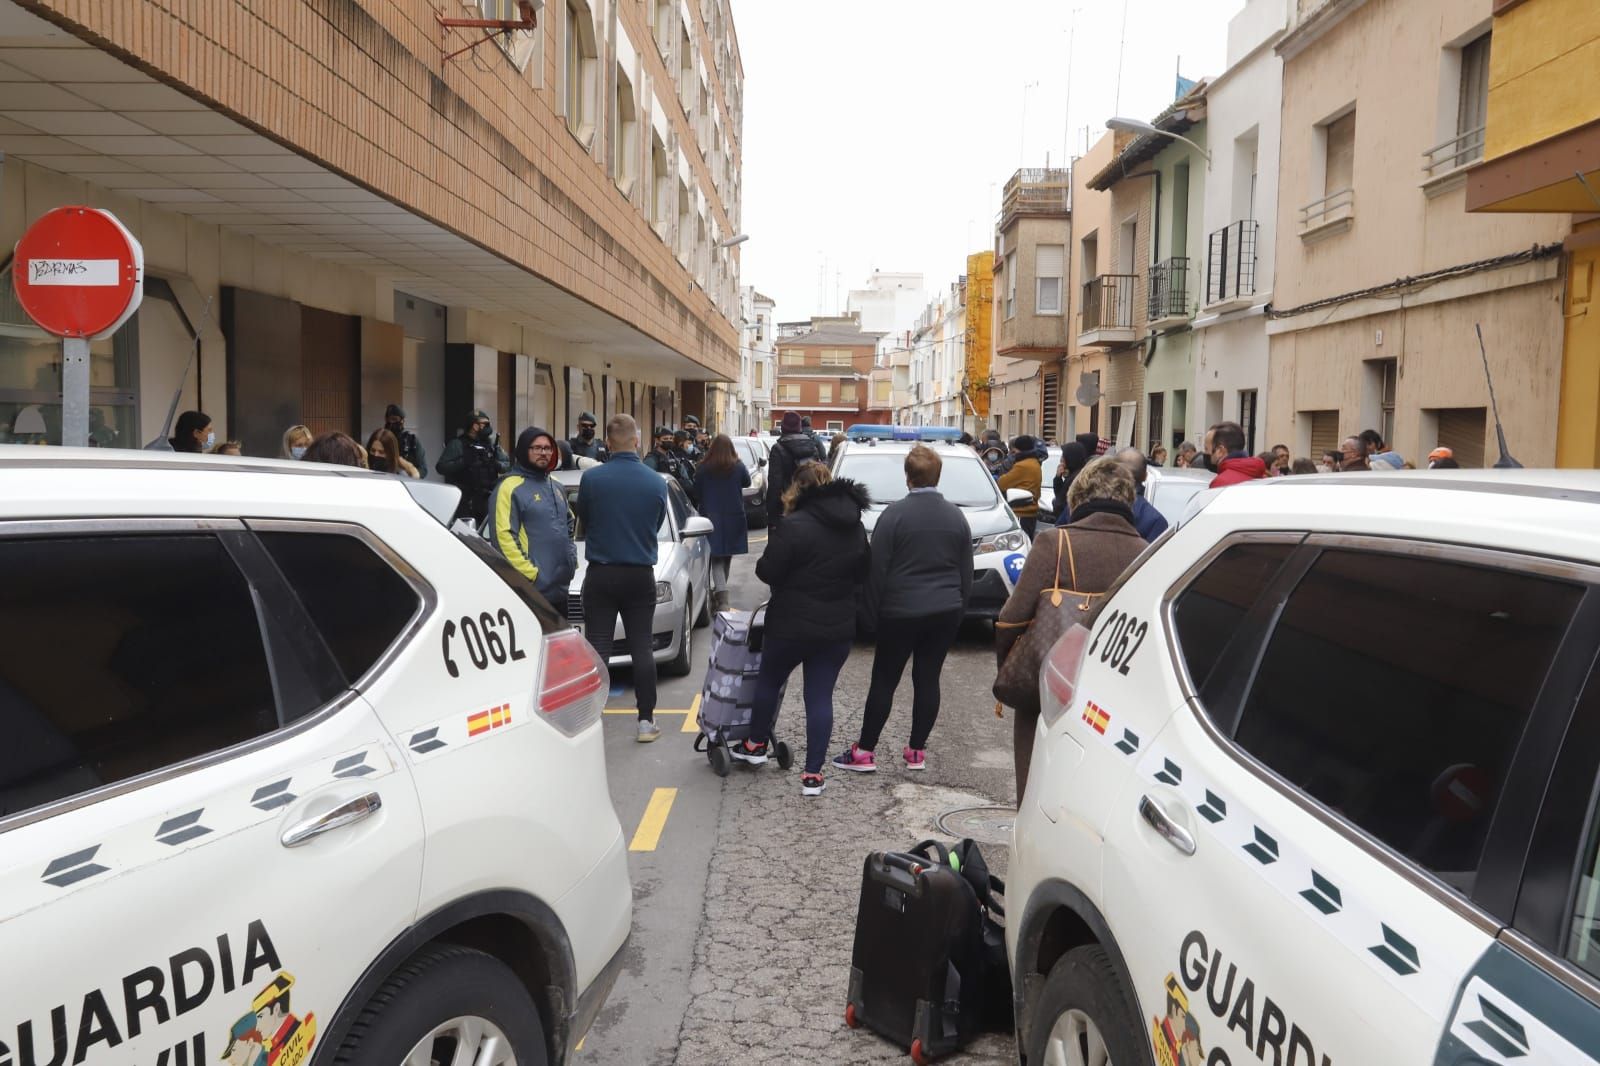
[784, 756]
[850, 1016]
[919, 1056]
[721, 761]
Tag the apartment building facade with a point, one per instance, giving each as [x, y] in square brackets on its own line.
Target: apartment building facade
[1231, 272]
[937, 347]
[830, 374]
[1542, 132]
[1114, 318]
[758, 358]
[1381, 276]
[1031, 327]
[1088, 365]
[336, 216]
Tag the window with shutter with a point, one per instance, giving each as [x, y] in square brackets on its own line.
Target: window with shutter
[1324, 432]
[1463, 430]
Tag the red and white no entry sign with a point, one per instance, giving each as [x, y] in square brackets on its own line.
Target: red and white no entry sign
[78, 272]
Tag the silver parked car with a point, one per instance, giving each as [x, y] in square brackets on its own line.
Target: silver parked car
[683, 578]
[753, 452]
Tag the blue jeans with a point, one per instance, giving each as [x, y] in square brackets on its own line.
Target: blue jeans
[823, 661]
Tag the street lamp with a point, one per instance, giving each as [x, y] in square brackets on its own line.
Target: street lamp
[731, 241]
[1134, 125]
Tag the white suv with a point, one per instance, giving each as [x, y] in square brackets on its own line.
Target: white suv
[1320, 783]
[291, 772]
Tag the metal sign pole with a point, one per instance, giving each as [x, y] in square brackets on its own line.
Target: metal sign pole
[75, 392]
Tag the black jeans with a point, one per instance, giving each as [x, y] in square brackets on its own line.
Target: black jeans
[1029, 525]
[629, 591]
[925, 640]
[823, 661]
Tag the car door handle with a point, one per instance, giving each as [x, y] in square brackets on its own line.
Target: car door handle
[1169, 830]
[345, 814]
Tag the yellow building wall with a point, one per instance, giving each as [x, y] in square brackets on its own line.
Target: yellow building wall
[1578, 427]
[1544, 73]
[980, 329]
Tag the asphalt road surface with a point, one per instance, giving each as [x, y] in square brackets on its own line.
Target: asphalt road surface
[745, 892]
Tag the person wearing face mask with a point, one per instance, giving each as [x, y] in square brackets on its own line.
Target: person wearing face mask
[194, 433]
[530, 519]
[411, 450]
[586, 445]
[473, 462]
[1225, 449]
[296, 439]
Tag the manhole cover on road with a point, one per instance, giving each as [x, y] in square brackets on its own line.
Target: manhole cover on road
[986, 825]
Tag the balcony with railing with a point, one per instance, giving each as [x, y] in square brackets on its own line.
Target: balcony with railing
[1231, 263]
[1330, 216]
[1107, 314]
[1036, 192]
[1168, 292]
[1444, 165]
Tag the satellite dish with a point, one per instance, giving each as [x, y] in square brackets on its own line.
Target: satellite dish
[1088, 390]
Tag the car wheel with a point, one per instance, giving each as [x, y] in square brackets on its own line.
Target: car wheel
[448, 1005]
[678, 665]
[1084, 1016]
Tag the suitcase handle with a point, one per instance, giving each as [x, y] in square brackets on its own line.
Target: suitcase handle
[941, 854]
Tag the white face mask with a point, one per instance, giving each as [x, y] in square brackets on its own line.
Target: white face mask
[298, 451]
[211, 440]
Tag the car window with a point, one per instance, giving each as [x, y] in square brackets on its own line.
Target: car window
[120, 655]
[356, 599]
[679, 503]
[1583, 946]
[749, 452]
[963, 479]
[575, 528]
[1209, 611]
[1394, 690]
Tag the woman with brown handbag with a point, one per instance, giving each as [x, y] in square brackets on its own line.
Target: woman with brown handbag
[1067, 574]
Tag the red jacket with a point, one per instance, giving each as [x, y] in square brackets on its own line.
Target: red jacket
[1235, 471]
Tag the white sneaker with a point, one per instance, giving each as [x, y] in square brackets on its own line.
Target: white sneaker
[649, 732]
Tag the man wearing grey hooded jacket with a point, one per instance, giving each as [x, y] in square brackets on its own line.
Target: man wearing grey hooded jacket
[529, 517]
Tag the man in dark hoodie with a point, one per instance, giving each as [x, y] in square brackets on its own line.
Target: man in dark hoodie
[1146, 519]
[1233, 465]
[529, 512]
[792, 449]
[586, 444]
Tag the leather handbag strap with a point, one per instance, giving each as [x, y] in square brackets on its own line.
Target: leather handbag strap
[1072, 560]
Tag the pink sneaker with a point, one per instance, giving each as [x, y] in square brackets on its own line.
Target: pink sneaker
[916, 758]
[854, 758]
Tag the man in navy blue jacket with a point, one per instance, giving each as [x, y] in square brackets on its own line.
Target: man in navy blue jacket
[622, 504]
[1146, 519]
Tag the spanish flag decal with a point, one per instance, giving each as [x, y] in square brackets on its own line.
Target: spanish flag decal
[1096, 717]
[493, 718]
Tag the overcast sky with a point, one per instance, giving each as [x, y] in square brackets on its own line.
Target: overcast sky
[878, 134]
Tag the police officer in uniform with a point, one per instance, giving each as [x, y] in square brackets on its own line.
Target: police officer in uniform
[411, 450]
[664, 458]
[473, 463]
[586, 445]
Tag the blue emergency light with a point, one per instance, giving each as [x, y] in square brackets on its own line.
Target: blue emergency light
[870, 431]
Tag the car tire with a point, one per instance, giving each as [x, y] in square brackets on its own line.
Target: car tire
[1084, 997]
[679, 665]
[441, 993]
[703, 619]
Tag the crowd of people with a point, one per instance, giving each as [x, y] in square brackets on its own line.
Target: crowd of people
[827, 582]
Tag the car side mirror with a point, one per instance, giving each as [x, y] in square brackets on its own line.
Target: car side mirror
[698, 526]
[760, 463]
[1019, 497]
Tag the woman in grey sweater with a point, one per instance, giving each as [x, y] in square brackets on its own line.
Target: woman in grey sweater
[917, 592]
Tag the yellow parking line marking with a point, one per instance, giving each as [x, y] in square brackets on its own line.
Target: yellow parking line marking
[691, 719]
[648, 835]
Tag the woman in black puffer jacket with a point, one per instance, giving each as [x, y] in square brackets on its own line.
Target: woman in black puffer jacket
[815, 563]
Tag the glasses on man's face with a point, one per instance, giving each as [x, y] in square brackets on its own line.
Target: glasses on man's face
[541, 449]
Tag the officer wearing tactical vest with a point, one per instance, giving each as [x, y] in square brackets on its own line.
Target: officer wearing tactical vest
[531, 525]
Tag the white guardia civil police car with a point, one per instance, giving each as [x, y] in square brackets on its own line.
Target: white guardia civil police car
[292, 775]
[1319, 785]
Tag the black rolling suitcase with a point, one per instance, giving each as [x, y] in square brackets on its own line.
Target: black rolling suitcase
[915, 969]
